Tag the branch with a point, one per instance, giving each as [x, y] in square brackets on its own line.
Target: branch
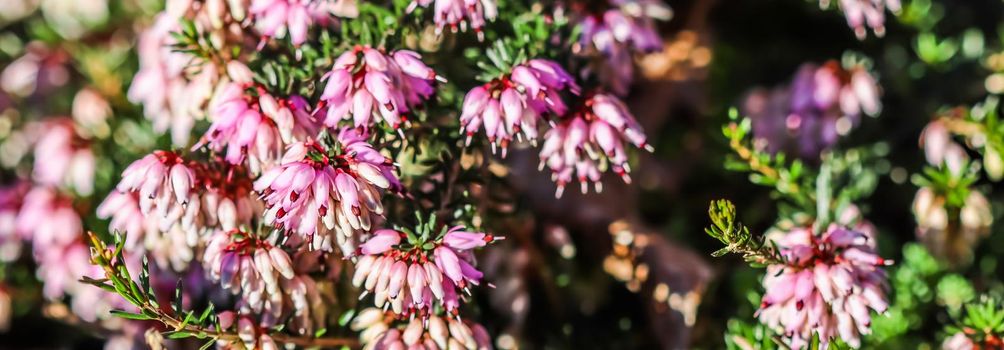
[181, 324]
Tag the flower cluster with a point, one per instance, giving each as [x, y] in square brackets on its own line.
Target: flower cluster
[62, 157]
[860, 13]
[827, 286]
[379, 331]
[589, 141]
[315, 191]
[617, 33]
[822, 103]
[512, 105]
[412, 273]
[459, 14]
[256, 128]
[368, 85]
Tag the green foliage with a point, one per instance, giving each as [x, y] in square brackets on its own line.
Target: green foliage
[737, 238]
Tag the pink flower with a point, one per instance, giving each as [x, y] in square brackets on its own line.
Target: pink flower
[860, 13]
[617, 34]
[164, 240]
[287, 18]
[826, 287]
[48, 219]
[591, 140]
[511, 106]
[414, 277]
[379, 331]
[255, 128]
[11, 197]
[459, 13]
[172, 98]
[821, 104]
[368, 85]
[62, 157]
[240, 260]
[315, 190]
[162, 179]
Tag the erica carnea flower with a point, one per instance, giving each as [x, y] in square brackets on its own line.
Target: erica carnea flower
[828, 286]
[161, 178]
[47, 218]
[315, 190]
[172, 96]
[459, 14]
[950, 231]
[11, 197]
[870, 13]
[282, 18]
[245, 263]
[267, 281]
[256, 127]
[379, 330]
[63, 157]
[821, 104]
[252, 334]
[590, 141]
[510, 107]
[411, 271]
[368, 85]
[618, 32]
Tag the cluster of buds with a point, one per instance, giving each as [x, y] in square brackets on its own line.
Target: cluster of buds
[165, 183]
[256, 128]
[411, 271]
[62, 157]
[381, 331]
[268, 281]
[316, 190]
[459, 14]
[827, 286]
[367, 85]
[512, 105]
[591, 140]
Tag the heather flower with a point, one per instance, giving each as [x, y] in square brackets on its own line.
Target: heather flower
[368, 85]
[861, 13]
[459, 14]
[227, 195]
[255, 128]
[289, 18]
[48, 219]
[379, 330]
[590, 141]
[411, 274]
[617, 33]
[11, 197]
[172, 97]
[166, 242]
[825, 287]
[268, 281]
[38, 72]
[951, 233]
[958, 341]
[91, 111]
[820, 105]
[315, 190]
[252, 334]
[511, 106]
[62, 157]
[162, 180]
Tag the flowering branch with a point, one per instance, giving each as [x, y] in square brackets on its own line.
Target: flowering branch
[737, 237]
[181, 324]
